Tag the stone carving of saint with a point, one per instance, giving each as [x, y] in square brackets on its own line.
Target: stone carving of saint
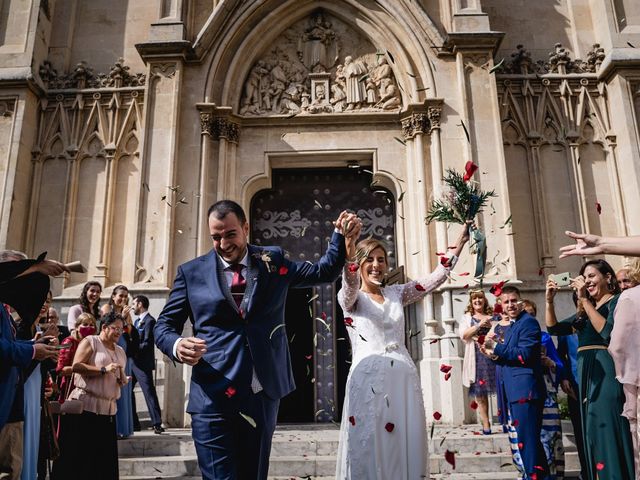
[382, 77]
[253, 87]
[278, 85]
[355, 87]
[317, 47]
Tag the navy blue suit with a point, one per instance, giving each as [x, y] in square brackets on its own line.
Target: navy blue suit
[142, 367]
[14, 355]
[238, 340]
[519, 356]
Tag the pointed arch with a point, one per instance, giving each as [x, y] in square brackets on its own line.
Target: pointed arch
[391, 27]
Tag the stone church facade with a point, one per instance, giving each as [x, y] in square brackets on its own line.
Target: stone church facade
[122, 121]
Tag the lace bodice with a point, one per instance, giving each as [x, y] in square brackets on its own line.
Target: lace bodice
[378, 328]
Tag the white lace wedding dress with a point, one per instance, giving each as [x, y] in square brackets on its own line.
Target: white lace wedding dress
[383, 431]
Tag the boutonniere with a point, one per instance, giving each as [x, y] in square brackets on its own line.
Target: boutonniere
[265, 257]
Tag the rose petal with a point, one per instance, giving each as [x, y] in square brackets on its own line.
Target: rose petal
[437, 415]
[463, 274]
[533, 476]
[599, 466]
[230, 392]
[389, 427]
[352, 420]
[515, 423]
[435, 340]
[520, 445]
[497, 309]
[521, 359]
[308, 357]
[522, 400]
[474, 405]
[323, 315]
[419, 287]
[444, 368]
[469, 169]
[447, 376]
[481, 382]
[348, 321]
[496, 290]
[439, 254]
[481, 339]
[283, 270]
[598, 208]
[450, 457]
[353, 267]
[445, 262]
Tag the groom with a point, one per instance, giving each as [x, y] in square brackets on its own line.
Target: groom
[235, 296]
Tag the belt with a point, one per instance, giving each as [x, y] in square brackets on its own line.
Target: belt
[591, 347]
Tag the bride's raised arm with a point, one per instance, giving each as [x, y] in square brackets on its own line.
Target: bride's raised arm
[418, 289]
[348, 294]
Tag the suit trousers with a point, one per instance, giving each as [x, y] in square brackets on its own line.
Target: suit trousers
[229, 447]
[145, 379]
[527, 418]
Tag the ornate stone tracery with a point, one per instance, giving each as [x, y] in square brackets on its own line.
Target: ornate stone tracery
[83, 76]
[305, 72]
[559, 61]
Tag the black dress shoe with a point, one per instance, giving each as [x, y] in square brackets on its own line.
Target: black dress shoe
[157, 429]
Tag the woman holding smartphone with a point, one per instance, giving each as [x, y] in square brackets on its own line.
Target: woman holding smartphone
[478, 371]
[607, 439]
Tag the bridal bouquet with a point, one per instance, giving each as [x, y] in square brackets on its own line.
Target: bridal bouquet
[462, 199]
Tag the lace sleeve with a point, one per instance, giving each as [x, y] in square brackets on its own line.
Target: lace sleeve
[418, 289]
[348, 294]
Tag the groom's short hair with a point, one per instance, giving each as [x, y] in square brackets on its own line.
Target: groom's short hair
[511, 289]
[222, 208]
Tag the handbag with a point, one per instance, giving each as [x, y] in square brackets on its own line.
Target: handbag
[68, 407]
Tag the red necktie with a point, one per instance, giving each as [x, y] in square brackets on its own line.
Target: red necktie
[238, 283]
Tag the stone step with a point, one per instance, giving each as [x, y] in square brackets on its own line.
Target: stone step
[488, 462]
[160, 466]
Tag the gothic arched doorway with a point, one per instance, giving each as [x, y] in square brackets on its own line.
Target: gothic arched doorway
[297, 214]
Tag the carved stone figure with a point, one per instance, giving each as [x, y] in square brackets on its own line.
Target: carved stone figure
[356, 93]
[317, 48]
[299, 75]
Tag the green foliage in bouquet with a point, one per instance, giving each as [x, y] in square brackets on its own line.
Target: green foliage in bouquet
[461, 201]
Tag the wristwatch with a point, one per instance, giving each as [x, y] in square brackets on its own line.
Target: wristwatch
[103, 370]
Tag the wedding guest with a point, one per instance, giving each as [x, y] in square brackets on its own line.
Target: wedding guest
[606, 434]
[478, 372]
[519, 356]
[589, 244]
[383, 408]
[54, 319]
[89, 303]
[568, 353]
[498, 333]
[128, 341]
[144, 364]
[33, 389]
[551, 433]
[625, 338]
[99, 375]
[23, 288]
[624, 280]
[85, 326]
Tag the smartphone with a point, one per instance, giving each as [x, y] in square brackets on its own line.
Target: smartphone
[62, 347]
[562, 279]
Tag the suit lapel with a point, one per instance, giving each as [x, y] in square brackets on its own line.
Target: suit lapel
[253, 277]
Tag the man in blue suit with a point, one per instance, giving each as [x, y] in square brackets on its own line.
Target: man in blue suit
[235, 296]
[520, 359]
[144, 363]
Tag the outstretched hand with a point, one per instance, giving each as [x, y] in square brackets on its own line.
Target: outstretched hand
[586, 244]
[46, 267]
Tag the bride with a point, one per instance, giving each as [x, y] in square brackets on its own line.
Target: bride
[383, 429]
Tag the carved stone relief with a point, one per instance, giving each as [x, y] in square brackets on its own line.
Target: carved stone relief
[559, 61]
[319, 65]
[83, 76]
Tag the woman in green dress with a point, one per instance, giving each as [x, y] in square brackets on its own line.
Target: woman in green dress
[607, 441]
